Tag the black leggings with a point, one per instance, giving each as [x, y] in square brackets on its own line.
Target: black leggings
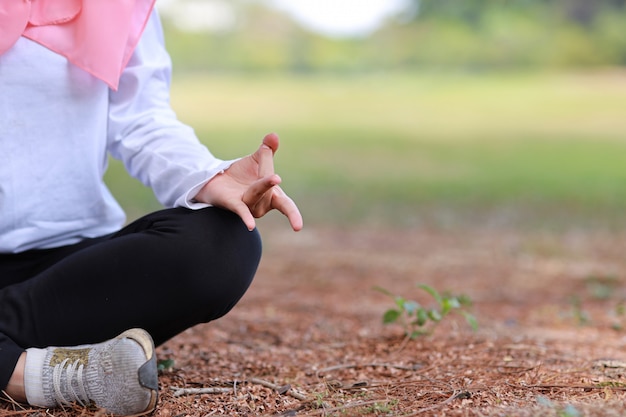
[165, 272]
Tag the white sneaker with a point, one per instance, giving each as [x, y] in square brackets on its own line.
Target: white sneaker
[119, 375]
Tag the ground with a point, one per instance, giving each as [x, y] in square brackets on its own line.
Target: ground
[308, 339]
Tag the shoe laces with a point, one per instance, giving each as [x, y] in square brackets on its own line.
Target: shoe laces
[74, 377]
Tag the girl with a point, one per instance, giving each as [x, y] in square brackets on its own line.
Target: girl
[81, 295]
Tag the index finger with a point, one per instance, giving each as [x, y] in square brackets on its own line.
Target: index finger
[257, 190]
[283, 203]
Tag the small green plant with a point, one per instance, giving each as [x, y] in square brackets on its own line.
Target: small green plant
[165, 365]
[580, 315]
[418, 320]
[619, 315]
[320, 399]
[602, 287]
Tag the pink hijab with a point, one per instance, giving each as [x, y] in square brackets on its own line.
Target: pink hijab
[98, 36]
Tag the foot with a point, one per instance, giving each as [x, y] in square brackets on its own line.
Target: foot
[119, 375]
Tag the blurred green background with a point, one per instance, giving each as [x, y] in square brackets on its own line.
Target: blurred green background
[481, 112]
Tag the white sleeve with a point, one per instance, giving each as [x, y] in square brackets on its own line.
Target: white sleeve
[143, 131]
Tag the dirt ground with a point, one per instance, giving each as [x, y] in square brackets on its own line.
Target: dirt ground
[308, 338]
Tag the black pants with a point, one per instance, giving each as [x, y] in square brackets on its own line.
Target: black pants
[165, 272]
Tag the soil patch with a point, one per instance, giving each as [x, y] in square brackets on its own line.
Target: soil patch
[308, 338]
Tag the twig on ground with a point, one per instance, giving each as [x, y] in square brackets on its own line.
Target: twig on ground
[179, 392]
[582, 387]
[371, 365]
[286, 389]
[282, 390]
[345, 407]
[454, 396]
[14, 412]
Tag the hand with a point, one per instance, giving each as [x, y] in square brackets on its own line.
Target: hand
[249, 187]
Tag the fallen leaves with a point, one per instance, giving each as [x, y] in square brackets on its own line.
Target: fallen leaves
[308, 338]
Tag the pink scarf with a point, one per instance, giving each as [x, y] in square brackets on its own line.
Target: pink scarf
[98, 36]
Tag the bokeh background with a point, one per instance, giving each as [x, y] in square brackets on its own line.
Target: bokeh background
[423, 113]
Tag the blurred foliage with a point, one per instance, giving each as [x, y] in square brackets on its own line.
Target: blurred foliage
[506, 33]
[263, 40]
[441, 34]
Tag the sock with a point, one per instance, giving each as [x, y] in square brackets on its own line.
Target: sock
[33, 377]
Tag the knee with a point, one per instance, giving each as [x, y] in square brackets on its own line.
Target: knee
[219, 259]
[219, 239]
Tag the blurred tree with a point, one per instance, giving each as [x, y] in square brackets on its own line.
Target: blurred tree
[514, 33]
[584, 12]
[440, 34]
[471, 11]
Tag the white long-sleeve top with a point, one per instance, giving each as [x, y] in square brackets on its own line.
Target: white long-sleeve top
[57, 126]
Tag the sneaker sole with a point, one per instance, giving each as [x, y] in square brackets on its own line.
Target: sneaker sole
[148, 371]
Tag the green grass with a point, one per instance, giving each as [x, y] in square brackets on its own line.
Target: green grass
[544, 150]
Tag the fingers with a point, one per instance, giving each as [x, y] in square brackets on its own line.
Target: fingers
[271, 140]
[265, 159]
[283, 203]
[246, 216]
[264, 194]
[258, 191]
[264, 156]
